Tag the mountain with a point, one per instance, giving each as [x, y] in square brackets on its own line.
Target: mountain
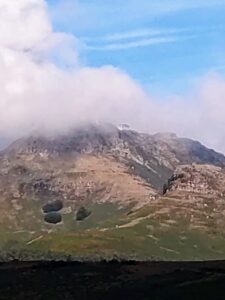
[98, 191]
[152, 157]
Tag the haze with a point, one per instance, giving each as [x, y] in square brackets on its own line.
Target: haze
[46, 84]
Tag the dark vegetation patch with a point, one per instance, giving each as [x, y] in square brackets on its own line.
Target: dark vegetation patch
[82, 213]
[52, 206]
[53, 218]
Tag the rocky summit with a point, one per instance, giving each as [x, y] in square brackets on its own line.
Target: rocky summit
[103, 192]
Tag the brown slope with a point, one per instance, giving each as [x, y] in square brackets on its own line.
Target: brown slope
[195, 195]
[31, 181]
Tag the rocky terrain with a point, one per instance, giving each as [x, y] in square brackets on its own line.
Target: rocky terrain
[102, 192]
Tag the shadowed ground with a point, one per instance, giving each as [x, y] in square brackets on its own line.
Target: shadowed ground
[113, 280]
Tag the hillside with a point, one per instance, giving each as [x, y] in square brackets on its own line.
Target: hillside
[103, 192]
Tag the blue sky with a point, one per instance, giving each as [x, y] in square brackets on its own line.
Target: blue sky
[165, 45]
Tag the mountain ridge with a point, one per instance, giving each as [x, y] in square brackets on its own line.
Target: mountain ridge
[150, 151]
[131, 191]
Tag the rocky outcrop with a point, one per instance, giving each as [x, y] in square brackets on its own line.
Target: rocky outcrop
[198, 179]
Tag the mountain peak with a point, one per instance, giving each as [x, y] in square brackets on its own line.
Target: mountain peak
[153, 157]
[100, 182]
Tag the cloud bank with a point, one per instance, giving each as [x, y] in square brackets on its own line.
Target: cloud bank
[44, 87]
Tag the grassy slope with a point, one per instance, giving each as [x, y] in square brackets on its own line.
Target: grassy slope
[108, 232]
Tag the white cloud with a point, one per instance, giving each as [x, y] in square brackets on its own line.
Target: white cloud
[142, 33]
[136, 38]
[118, 36]
[145, 37]
[35, 93]
[135, 44]
[24, 24]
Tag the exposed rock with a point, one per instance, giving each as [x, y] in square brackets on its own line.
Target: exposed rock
[98, 165]
[198, 179]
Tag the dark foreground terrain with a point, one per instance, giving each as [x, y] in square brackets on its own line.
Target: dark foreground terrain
[113, 280]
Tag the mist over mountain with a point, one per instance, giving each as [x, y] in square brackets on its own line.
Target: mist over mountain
[45, 86]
